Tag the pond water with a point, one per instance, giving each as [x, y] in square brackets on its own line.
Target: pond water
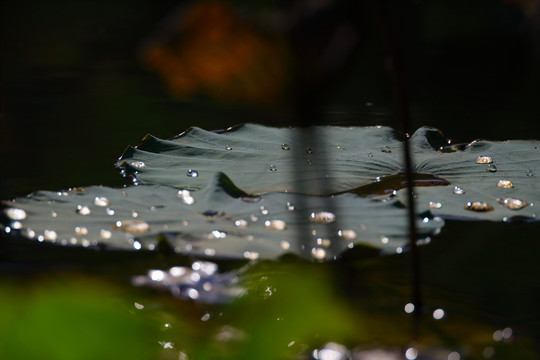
[76, 93]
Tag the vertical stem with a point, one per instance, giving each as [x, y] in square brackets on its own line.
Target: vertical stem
[404, 122]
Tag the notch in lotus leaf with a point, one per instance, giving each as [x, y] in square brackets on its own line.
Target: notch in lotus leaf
[219, 220]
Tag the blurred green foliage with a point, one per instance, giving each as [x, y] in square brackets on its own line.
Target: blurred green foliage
[71, 318]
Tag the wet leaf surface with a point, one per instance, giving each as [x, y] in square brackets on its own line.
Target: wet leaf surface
[362, 160]
[218, 220]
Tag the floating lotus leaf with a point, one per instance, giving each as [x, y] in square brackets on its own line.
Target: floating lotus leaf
[362, 160]
[218, 220]
[261, 159]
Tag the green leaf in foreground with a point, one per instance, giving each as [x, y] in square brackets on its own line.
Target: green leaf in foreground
[72, 319]
[219, 220]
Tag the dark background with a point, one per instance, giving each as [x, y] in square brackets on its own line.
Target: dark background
[75, 92]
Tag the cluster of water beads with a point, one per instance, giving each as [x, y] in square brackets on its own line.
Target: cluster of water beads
[336, 351]
[251, 255]
[185, 197]
[138, 164]
[201, 282]
[217, 234]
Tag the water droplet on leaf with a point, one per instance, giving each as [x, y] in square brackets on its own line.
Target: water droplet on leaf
[309, 150]
[218, 234]
[241, 223]
[272, 167]
[101, 201]
[505, 184]
[208, 252]
[290, 206]
[322, 217]
[185, 197]
[50, 235]
[529, 172]
[458, 191]
[132, 226]
[479, 206]
[513, 203]
[83, 210]
[277, 225]
[228, 148]
[285, 147]
[386, 149]
[15, 214]
[251, 255]
[81, 230]
[347, 234]
[318, 253]
[491, 168]
[435, 205]
[323, 242]
[192, 173]
[484, 160]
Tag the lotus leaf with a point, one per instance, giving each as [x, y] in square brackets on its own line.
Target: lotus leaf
[490, 180]
[362, 160]
[218, 220]
[261, 159]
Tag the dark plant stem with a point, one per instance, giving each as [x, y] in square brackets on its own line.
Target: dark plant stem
[404, 122]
